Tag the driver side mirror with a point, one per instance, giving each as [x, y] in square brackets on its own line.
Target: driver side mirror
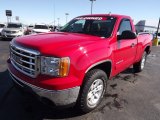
[127, 35]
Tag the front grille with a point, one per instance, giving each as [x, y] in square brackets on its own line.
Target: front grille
[10, 32]
[25, 60]
[38, 32]
[10, 36]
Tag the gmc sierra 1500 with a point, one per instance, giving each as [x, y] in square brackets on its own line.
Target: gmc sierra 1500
[74, 64]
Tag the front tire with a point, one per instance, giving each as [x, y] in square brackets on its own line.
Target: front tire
[92, 90]
[138, 67]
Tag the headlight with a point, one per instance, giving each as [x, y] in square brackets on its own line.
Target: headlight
[55, 66]
[16, 32]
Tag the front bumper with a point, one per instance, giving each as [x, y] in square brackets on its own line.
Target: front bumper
[58, 97]
[7, 35]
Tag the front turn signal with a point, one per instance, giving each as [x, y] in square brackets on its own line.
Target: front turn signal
[64, 66]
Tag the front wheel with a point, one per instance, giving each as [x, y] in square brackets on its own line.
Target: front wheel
[92, 90]
[138, 67]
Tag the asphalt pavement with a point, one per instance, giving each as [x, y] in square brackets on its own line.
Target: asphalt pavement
[129, 96]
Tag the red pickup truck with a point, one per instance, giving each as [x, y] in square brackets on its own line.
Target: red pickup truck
[73, 65]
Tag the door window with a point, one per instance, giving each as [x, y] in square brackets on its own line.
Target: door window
[125, 25]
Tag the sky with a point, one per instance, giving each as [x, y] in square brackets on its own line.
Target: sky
[46, 11]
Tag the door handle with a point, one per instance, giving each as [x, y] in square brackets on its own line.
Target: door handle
[132, 45]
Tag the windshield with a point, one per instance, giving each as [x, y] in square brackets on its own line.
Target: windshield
[98, 26]
[14, 25]
[50, 26]
[30, 26]
[41, 27]
[2, 25]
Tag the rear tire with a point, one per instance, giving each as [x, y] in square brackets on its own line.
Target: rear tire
[138, 67]
[92, 90]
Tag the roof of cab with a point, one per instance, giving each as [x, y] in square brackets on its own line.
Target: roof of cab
[104, 15]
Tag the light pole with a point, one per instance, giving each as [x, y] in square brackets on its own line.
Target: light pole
[54, 13]
[66, 16]
[58, 21]
[158, 28]
[92, 5]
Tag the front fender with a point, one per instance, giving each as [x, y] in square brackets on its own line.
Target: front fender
[88, 57]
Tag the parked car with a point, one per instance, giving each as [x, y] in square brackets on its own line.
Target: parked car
[1, 27]
[71, 67]
[29, 29]
[13, 30]
[40, 28]
[51, 27]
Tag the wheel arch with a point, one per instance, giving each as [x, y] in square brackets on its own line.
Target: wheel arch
[147, 49]
[105, 65]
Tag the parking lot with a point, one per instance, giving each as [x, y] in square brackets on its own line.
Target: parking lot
[129, 96]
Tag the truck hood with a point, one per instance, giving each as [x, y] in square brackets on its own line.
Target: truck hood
[56, 43]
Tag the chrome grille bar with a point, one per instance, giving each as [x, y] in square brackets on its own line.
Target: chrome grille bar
[22, 54]
[28, 62]
[25, 60]
[22, 66]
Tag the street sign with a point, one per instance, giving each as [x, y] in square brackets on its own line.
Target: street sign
[8, 13]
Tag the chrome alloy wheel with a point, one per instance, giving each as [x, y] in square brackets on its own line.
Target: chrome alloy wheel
[95, 92]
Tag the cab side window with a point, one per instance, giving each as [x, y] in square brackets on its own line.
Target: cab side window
[125, 25]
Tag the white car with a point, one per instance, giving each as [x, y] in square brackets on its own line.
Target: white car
[40, 28]
[1, 27]
[13, 30]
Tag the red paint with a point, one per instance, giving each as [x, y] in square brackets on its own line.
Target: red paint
[83, 51]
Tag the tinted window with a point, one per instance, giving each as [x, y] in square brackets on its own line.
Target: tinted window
[2, 25]
[40, 27]
[97, 26]
[51, 27]
[12, 25]
[125, 25]
[30, 26]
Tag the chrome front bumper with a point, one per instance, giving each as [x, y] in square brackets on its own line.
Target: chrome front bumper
[5, 35]
[58, 97]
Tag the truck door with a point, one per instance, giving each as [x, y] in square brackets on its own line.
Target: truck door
[125, 48]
